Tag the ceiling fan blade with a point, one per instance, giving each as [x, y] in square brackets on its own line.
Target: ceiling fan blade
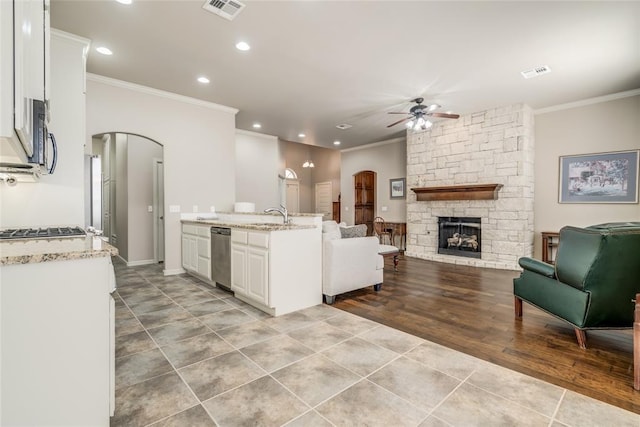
[444, 115]
[395, 112]
[399, 121]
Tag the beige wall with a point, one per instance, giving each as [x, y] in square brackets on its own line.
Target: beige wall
[601, 127]
[327, 169]
[389, 160]
[198, 140]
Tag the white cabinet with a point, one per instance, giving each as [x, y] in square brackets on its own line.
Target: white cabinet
[57, 343]
[250, 265]
[258, 274]
[24, 73]
[196, 249]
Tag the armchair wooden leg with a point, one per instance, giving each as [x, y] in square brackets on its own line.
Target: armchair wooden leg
[517, 303]
[581, 335]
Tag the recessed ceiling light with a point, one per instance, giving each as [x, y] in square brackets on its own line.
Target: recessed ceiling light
[257, 125]
[104, 50]
[243, 46]
[301, 135]
[124, 1]
[203, 79]
[336, 142]
[344, 126]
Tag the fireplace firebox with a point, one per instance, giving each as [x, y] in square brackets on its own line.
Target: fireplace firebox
[459, 236]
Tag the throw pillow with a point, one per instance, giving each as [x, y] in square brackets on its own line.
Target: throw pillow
[359, 230]
[330, 230]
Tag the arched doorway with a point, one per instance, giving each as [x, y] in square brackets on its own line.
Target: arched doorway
[126, 196]
[365, 199]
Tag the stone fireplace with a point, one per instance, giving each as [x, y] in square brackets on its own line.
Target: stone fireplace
[492, 148]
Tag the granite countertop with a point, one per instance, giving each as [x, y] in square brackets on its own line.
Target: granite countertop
[31, 251]
[248, 226]
[271, 213]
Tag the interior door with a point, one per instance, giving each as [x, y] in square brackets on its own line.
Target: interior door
[365, 200]
[293, 195]
[323, 199]
[158, 208]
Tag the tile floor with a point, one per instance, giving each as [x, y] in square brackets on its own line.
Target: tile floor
[191, 355]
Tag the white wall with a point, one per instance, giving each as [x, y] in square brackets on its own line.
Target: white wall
[611, 125]
[140, 168]
[257, 169]
[56, 199]
[389, 160]
[198, 139]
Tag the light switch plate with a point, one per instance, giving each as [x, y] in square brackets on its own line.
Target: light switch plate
[149, 208]
[384, 209]
[195, 208]
[174, 208]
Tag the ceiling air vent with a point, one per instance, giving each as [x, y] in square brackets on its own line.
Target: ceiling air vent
[535, 72]
[228, 9]
[344, 126]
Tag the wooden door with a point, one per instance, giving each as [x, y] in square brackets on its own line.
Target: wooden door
[365, 199]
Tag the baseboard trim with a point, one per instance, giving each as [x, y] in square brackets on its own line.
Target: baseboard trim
[173, 272]
[141, 262]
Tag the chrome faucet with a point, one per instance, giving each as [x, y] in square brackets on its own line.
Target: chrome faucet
[282, 211]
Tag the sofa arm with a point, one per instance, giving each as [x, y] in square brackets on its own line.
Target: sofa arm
[350, 260]
[537, 267]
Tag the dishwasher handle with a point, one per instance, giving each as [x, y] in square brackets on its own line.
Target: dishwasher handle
[221, 230]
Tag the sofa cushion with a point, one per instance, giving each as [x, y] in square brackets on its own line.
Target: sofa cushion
[359, 230]
[330, 230]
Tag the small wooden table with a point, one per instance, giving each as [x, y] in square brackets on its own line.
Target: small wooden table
[387, 251]
[398, 229]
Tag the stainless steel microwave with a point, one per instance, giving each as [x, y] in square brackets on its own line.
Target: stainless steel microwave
[44, 150]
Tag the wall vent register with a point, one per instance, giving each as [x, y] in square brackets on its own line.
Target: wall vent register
[41, 233]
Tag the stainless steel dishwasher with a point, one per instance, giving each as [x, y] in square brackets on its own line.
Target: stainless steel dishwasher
[221, 257]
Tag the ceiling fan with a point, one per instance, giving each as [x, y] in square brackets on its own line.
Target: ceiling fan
[417, 115]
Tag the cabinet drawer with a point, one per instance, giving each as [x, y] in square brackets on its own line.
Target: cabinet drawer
[204, 231]
[239, 237]
[189, 229]
[260, 240]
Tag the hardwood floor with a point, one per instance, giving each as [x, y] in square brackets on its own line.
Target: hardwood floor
[471, 310]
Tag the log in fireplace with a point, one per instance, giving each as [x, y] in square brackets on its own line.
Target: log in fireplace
[459, 236]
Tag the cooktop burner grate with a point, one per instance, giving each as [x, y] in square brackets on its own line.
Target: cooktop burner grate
[41, 233]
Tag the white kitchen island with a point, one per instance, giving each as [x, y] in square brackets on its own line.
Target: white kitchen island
[274, 267]
[57, 332]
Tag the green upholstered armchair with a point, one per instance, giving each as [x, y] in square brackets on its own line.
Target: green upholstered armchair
[595, 278]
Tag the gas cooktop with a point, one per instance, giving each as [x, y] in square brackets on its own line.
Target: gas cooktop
[41, 233]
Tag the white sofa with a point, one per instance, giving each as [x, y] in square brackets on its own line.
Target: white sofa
[348, 263]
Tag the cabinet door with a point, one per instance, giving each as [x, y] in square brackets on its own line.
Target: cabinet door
[185, 252]
[238, 269]
[193, 253]
[258, 274]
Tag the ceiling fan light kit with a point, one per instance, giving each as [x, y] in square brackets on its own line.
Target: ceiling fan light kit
[417, 113]
[308, 164]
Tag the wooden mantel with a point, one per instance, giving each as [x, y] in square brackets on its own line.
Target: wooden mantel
[458, 192]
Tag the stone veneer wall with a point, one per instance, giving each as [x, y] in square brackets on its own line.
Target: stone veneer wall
[490, 147]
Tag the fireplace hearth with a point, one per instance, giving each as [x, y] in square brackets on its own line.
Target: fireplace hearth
[459, 236]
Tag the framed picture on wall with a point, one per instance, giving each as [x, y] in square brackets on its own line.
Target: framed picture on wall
[397, 188]
[599, 178]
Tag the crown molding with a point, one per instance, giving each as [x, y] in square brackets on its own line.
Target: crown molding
[157, 92]
[375, 144]
[64, 35]
[255, 134]
[590, 101]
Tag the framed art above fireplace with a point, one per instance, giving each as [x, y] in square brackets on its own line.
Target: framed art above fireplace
[599, 178]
